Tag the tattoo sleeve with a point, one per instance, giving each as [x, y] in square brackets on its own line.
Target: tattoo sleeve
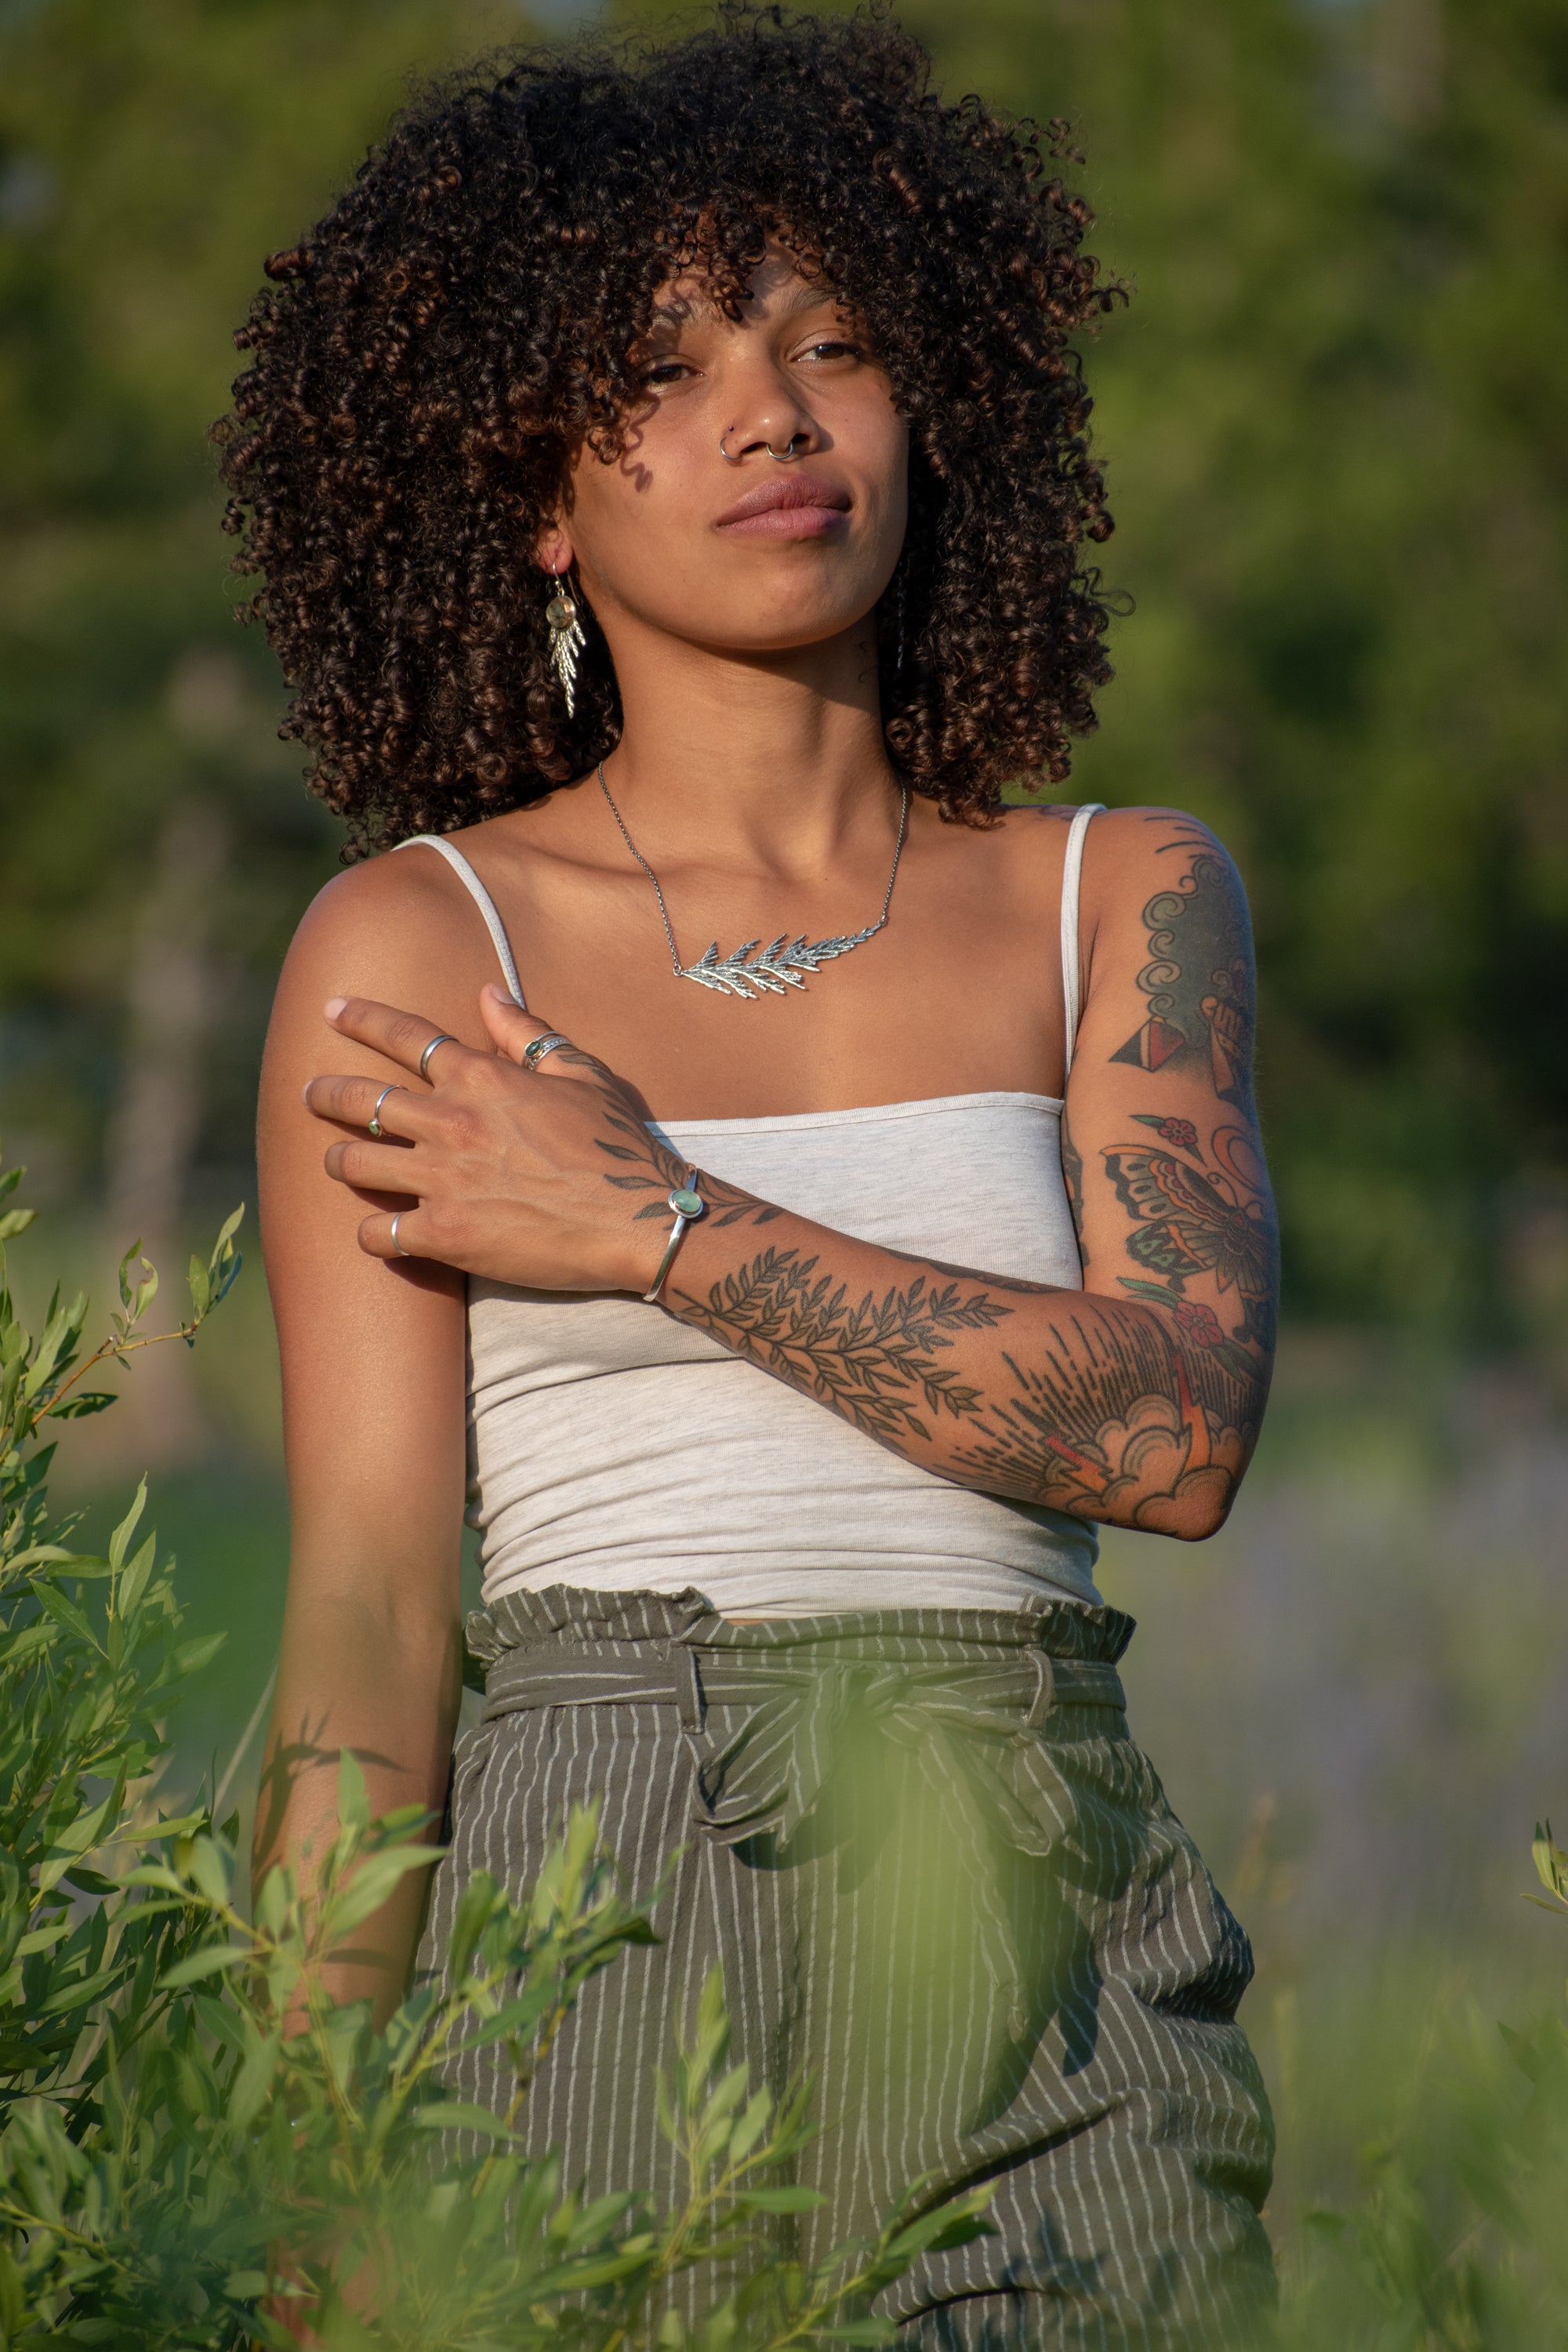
[1198, 979]
[1137, 1403]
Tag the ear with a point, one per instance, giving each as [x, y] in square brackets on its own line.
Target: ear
[554, 549]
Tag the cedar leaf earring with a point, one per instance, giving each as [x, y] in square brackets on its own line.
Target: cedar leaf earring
[567, 637]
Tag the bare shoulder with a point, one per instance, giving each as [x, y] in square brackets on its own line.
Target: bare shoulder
[386, 911]
[1129, 856]
[1146, 869]
[400, 927]
[1133, 851]
[1028, 843]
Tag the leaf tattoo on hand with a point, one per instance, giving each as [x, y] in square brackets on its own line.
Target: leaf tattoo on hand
[651, 1167]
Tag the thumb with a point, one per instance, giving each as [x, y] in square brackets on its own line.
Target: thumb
[510, 1028]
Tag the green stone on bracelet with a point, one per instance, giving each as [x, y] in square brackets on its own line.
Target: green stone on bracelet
[685, 1203]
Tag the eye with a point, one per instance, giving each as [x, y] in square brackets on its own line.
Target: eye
[660, 373]
[832, 347]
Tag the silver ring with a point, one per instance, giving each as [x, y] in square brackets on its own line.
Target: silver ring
[373, 1125]
[534, 1052]
[396, 1245]
[443, 1039]
[723, 452]
[781, 456]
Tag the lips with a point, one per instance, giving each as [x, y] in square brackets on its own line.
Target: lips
[803, 506]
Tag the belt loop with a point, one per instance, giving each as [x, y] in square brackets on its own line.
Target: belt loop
[1045, 1696]
[689, 1696]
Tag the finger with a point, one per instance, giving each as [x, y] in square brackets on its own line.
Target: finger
[354, 1102]
[513, 1031]
[371, 1167]
[376, 1237]
[402, 1038]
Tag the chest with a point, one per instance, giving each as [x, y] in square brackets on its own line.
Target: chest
[959, 993]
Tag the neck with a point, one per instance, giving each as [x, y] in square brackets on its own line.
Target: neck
[770, 760]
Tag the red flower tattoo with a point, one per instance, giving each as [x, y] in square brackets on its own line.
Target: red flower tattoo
[1200, 1322]
[1180, 1132]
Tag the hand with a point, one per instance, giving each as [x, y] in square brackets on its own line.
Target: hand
[544, 1179]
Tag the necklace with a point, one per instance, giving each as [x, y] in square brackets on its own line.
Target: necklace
[787, 962]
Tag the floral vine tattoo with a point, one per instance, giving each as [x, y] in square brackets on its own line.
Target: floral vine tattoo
[870, 1361]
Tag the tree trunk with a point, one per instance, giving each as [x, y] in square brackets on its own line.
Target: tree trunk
[172, 990]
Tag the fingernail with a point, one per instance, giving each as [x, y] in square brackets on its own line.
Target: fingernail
[333, 1007]
[492, 988]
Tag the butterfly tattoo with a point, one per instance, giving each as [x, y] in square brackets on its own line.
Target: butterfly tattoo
[1188, 1223]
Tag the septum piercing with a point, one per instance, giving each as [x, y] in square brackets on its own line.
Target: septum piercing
[780, 456]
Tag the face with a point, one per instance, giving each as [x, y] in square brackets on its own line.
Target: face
[736, 549]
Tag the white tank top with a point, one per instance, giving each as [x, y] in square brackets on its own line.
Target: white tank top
[609, 1445]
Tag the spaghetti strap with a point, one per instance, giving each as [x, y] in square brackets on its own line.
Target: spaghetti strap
[1072, 871]
[482, 900]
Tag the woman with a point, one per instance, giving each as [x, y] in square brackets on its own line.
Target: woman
[670, 481]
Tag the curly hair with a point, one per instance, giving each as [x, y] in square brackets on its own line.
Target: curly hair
[431, 357]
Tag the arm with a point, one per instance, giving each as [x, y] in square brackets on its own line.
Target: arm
[373, 1364]
[1138, 1399]
[1135, 1401]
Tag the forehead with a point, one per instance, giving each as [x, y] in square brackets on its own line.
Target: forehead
[776, 289]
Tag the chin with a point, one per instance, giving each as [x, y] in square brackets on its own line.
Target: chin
[789, 631]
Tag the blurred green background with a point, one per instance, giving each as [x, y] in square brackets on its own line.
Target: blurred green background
[1334, 422]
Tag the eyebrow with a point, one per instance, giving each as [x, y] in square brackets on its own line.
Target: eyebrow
[812, 294]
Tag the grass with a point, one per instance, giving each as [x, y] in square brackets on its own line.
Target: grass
[1352, 1694]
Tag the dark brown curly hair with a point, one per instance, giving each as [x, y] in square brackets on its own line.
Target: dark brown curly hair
[434, 353]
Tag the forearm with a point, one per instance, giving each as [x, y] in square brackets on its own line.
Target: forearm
[1084, 1403]
[357, 1672]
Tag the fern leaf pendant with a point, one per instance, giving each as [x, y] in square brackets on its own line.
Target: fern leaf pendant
[786, 964]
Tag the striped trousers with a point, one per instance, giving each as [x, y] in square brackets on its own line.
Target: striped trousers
[938, 1876]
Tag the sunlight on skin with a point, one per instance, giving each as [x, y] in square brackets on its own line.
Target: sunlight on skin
[753, 775]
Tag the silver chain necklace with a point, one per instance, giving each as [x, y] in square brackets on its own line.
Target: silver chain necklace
[787, 962]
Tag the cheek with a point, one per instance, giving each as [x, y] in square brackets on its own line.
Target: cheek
[875, 440]
[634, 520]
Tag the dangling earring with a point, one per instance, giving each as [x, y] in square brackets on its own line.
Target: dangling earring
[898, 621]
[567, 637]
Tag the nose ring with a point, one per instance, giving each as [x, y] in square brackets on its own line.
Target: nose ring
[780, 456]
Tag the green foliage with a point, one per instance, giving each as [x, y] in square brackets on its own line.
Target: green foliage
[90, 1659]
[197, 2145]
[179, 2174]
[1330, 412]
[1332, 416]
[1456, 2244]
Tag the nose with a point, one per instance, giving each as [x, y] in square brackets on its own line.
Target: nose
[799, 442]
[769, 418]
